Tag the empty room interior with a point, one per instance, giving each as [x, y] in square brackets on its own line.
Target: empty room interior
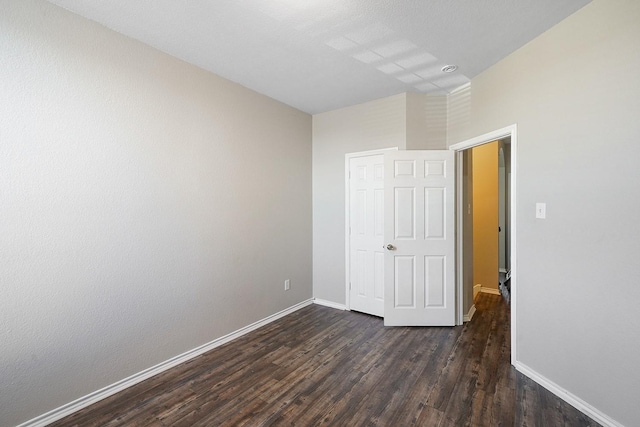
[272, 212]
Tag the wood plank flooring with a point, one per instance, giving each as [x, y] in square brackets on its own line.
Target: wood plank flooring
[321, 366]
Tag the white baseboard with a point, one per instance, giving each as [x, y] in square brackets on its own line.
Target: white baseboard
[476, 290]
[479, 288]
[568, 397]
[114, 388]
[467, 317]
[329, 304]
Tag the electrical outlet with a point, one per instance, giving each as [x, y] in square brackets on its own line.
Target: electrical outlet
[287, 285]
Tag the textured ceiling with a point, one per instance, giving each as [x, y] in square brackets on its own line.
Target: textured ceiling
[318, 55]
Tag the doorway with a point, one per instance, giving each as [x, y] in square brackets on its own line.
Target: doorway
[464, 285]
[366, 234]
[483, 204]
[487, 197]
[364, 220]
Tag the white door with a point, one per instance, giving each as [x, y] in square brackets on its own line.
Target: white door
[366, 237]
[419, 257]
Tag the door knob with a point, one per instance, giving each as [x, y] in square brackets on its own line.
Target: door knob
[390, 247]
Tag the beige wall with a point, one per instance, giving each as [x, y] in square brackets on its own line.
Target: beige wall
[485, 215]
[148, 207]
[426, 122]
[573, 94]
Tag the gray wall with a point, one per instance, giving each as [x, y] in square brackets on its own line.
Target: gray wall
[148, 207]
[573, 93]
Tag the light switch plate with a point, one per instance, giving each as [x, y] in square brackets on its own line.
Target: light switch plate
[541, 210]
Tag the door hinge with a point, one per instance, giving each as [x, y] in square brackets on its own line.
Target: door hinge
[349, 285]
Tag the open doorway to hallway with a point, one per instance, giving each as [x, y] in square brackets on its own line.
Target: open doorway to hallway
[464, 224]
[486, 226]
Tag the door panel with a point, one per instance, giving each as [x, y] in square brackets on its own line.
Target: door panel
[434, 218]
[404, 203]
[419, 221]
[404, 282]
[366, 237]
[434, 281]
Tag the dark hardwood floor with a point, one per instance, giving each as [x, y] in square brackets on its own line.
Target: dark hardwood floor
[320, 366]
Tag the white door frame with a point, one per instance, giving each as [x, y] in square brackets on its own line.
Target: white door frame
[509, 131]
[347, 198]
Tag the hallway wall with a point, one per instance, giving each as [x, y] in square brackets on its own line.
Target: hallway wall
[485, 215]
